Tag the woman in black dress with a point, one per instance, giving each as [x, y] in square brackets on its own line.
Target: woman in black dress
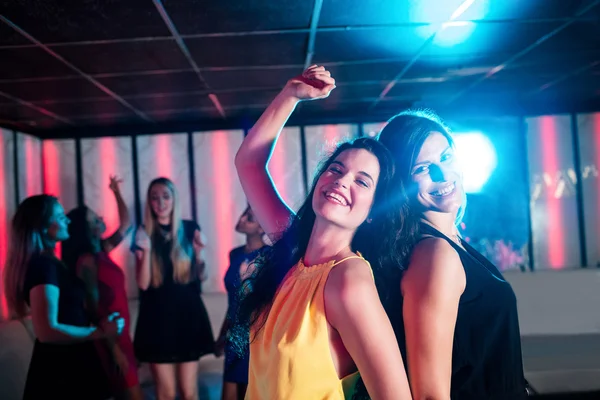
[173, 329]
[64, 364]
[459, 328]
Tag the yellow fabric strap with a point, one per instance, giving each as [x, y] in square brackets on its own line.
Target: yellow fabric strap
[347, 258]
[358, 255]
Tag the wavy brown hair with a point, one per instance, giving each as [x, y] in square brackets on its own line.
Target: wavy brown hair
[404, 136]
[33, 216]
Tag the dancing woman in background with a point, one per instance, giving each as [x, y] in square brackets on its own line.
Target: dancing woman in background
[173, 330]
[312, 305]
[88, 254]
[459, 315]
[64, 364]
[235, 375]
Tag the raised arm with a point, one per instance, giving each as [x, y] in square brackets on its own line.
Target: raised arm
[354, 309]
[252, 158]
[124, 218]
[431, 288]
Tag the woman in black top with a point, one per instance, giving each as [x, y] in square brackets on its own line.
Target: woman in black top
[460, 326]
[64, 363]
[235, 373]
[173, 329]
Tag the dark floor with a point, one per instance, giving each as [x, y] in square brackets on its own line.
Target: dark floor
[209, 387]
[570, 396]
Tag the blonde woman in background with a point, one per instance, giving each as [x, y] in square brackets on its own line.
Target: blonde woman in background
[173, 329]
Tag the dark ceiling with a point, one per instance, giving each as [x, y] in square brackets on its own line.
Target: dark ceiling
[74, 66]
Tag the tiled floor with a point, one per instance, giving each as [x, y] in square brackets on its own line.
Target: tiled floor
[210, 374]
[209, 388]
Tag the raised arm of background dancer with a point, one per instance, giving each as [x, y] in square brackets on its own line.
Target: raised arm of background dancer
[354, 309]
[431, 288]
[124, 218]
[253, 156]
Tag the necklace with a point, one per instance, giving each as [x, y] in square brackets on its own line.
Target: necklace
[457, 239]
[165, 232]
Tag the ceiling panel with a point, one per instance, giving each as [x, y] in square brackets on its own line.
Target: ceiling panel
[196, 17]
[249, 50]
[125, 57]
[61, 21]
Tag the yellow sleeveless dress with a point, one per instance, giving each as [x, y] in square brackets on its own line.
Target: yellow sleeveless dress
[290, 358]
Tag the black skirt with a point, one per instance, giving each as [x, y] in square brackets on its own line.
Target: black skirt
[65, 371]
[173, 325]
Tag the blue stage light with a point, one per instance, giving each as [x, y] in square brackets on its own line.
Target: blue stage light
[477, 157]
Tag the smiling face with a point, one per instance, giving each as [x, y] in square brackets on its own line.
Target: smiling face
[436, 177]
[344, 193]
[161, 202]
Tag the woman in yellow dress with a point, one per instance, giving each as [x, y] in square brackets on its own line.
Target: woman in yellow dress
[311, 305]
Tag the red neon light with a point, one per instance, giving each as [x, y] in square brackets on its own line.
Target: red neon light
[52, 186]
[163, 156]
[550, 164]
[108, 207]
[108, 162]
[224, 221]
[332, 137]
[4, 220]
[32, 163]
[51, 168]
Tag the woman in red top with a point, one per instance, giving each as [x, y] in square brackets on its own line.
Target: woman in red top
[87, 253]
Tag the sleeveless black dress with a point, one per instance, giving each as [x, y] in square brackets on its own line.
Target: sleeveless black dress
[58, 370]
[173, 325]
[486, 356]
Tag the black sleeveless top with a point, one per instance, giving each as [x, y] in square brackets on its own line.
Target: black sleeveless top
[486, 354]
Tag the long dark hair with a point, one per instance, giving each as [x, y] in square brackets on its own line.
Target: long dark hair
[258, 291]
[80, 239]
[404, 136]
[27, 236]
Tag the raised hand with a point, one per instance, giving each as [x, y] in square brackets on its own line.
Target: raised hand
[142, 240]
[198, 243]
[114, 183]
[314, 83]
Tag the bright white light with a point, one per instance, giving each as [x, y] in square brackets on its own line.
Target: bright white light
[477, 157]
[461, 9]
